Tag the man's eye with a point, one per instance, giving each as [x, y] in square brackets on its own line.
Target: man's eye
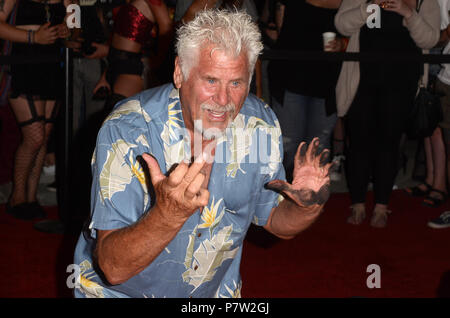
[235, 83]
[211, 81]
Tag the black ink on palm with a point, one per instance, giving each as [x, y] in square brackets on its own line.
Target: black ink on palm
[311, 181]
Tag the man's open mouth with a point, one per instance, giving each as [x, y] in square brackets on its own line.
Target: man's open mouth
[216, 114]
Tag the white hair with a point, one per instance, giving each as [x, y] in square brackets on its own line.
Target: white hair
[231, 31]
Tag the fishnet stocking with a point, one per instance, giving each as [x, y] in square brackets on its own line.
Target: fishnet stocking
[25, 159]
[36, 169]
[30, 154]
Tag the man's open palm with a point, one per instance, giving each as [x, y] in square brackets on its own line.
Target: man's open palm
[311, 181]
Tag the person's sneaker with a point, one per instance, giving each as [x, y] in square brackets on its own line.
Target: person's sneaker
[442, 222]
[337, 168]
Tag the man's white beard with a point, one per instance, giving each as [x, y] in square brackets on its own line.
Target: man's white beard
[212, 132]
[209, 133]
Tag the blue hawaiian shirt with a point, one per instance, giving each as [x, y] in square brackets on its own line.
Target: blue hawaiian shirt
[203, 259]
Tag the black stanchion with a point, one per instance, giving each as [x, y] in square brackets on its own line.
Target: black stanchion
[63, 175]
[64, 201]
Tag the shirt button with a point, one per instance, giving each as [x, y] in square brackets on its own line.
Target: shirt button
[195, 267]
[199, 234]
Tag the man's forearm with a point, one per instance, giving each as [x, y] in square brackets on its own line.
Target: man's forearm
[289, 219]
[124, 253]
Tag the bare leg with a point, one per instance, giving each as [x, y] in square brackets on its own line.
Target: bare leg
[424, 188]
[439, 161]
[438, 148]
[429, 162]
[446, 138]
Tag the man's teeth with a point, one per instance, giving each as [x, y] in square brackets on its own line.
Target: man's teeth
[216, 113]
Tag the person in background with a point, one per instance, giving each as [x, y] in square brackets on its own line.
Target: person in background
[270, 20]
[385, 91]
[442, 87]
[434, 186]
[36, 88]
[89, 49]
[303, 92]
[134, 25]
[158, 68]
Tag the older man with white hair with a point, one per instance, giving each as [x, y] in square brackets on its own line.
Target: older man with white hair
[213, 153]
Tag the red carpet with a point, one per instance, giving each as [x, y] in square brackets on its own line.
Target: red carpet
[331, 257]
[34, 264]
[328, 260]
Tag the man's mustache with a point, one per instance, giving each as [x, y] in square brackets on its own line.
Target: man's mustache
[217, 108]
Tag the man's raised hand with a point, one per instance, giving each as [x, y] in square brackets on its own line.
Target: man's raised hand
[311, 181]
[180, 194]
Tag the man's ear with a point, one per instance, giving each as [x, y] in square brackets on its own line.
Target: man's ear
[177, 74]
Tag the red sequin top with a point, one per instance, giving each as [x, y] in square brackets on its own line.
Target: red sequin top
[132, 24]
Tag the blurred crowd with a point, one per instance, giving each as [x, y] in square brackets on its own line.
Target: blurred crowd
[357, 109]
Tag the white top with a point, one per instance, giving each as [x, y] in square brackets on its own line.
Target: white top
[444, 74]
[445, 8]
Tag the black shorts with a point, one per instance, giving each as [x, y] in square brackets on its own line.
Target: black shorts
[43, 80]
[123, 62]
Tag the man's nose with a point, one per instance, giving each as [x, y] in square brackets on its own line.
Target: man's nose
[222, 96]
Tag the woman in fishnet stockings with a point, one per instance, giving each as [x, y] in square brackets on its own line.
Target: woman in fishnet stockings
[29, 156]
[35, 89]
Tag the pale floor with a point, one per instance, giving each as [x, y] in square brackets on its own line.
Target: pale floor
[48, 198]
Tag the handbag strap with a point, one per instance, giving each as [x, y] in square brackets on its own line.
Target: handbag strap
[426, 70]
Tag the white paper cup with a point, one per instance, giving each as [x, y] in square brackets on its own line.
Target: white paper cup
[327, 38]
